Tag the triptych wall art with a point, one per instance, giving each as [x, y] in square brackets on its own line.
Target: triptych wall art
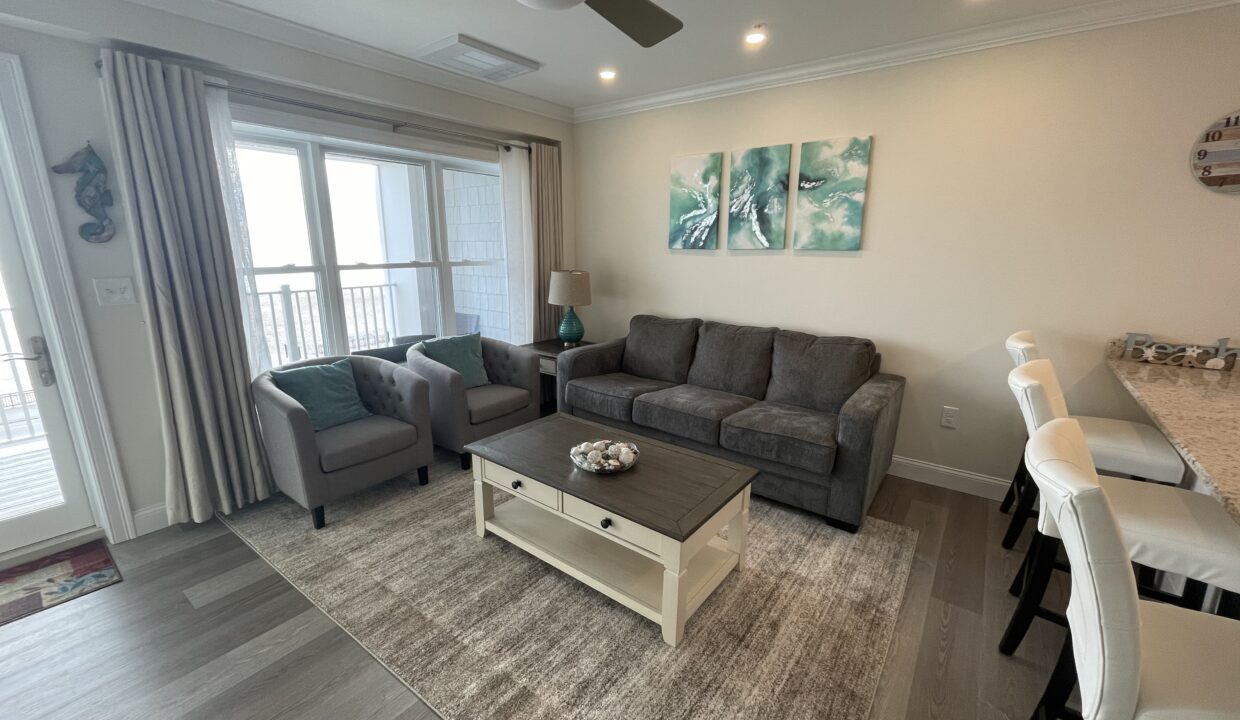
[829, 197]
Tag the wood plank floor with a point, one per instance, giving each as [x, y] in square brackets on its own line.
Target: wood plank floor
[202, 628]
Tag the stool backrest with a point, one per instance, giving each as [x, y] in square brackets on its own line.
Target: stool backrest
[1022, 347]
[1038, 393]
[1102, 611]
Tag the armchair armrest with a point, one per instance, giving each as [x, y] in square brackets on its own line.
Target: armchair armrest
[597, 359]
[449, 413]
[288, 437]
[865, 441]
[513, 365]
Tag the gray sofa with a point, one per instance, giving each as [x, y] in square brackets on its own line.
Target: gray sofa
[460, 416]
[315, 468]
[812, 414]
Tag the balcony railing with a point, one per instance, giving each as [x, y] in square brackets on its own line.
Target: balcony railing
[19, 415]
[292, 321]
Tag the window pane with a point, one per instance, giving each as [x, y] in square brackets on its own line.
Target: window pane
[291, 306]
[480, 293]
[379, 210]
[275, 210]
[382, 306]
[473, 216]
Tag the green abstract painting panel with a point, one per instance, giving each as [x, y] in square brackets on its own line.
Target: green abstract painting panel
[831, 194]
[694, 215]
[758, 199]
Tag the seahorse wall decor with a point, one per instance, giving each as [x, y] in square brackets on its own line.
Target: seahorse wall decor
[91, 192]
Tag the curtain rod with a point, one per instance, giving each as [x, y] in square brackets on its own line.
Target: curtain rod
[396, 124]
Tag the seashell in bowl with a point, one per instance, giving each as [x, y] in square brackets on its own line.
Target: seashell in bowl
[604, 456]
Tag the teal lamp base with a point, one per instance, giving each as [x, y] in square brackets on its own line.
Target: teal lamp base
[571, 329]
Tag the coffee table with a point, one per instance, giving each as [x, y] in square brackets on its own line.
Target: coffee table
[647, 538]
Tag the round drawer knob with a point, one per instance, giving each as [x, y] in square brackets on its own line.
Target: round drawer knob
[606, 523]
[516, 484]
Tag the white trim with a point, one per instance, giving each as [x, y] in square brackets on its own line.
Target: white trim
[51, 279]
[149, 519]
[1011, 32]
[965, 481]
[237, 18]
[27, 553]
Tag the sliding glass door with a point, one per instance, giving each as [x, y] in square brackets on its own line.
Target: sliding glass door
[362, 247]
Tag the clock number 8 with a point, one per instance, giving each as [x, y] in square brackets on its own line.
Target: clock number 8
[1207, 171]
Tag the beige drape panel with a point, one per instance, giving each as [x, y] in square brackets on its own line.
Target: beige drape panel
[545, 191]
[167, 173]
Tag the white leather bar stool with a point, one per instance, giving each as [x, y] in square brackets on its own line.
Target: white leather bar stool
[1022, 347]
[1133, 659]
[1119, 447]
[1165, 528]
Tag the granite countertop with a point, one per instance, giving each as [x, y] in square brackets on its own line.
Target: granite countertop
[1199, 412]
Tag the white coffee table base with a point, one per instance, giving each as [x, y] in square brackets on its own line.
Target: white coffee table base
[665, 581]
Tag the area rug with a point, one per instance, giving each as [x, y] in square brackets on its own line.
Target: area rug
[54, 579]
[479, 629]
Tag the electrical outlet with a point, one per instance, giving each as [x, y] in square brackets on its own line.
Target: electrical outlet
[948, 418]
[115, 291]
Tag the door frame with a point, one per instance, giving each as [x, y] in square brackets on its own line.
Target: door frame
[59, 310]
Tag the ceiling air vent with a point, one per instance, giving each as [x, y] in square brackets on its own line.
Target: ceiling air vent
[470, 56]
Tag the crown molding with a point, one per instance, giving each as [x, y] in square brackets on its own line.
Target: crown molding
[1037, 27]
[229, 15]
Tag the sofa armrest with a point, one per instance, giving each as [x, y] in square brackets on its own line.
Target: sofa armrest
[865, 440]
[511, 365]
[597, 359]
[449, 412]
[288, 437]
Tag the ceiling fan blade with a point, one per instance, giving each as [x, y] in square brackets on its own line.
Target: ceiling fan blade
[647, 23]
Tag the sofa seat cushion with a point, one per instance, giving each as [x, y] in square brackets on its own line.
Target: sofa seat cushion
[785, 434]
[688, 411]
[362, 441]
[610, 395]
[487, 402]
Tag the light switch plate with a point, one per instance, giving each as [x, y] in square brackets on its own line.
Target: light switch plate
[115, 291]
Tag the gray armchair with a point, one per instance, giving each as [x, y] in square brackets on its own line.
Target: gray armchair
[315, 468]
[460, 416]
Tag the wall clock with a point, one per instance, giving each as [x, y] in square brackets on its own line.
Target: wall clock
[1216, 156]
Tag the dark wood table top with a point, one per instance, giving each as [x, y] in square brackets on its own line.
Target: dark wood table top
[670, 490]
[551, 348]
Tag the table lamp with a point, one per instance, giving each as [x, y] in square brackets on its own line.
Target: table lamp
[570, 288]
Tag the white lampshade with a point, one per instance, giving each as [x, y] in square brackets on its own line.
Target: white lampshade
[569, 287]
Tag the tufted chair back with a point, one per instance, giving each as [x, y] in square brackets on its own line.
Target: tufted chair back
[1038, 393]
[1022, 347]
[1103, 612]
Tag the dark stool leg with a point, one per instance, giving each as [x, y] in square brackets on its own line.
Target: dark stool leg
[1015, 487]
[466, 461]
[1042, 554]
[1194, 595]
[1018, 582]
[1059, 689]
[424, 475]
[317, 515]
[1020, 516]
[1229, 605]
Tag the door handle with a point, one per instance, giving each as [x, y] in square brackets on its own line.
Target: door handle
[41, 359]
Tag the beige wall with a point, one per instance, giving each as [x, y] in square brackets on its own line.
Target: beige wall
[1042, 186]
[68, 107]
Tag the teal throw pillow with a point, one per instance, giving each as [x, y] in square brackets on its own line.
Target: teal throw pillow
[327, 392]
[462, 353]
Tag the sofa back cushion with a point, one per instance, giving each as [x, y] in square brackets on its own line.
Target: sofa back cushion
[820, 373]
[733, 358]
[660, 348]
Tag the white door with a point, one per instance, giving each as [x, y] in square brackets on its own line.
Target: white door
[42, 494]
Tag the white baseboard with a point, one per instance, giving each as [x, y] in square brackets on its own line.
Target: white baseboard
[965, 481]
[47, 547]
[150, 518]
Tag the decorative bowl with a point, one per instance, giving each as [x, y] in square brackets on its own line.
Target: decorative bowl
[604, 457]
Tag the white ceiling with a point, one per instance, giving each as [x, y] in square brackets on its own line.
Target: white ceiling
[573, 44]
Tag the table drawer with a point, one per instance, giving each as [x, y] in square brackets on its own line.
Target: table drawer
[546, 365]
[521, 485]
[622, 528]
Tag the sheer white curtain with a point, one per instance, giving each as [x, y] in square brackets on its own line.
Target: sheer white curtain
[514, 163]
[220, 117]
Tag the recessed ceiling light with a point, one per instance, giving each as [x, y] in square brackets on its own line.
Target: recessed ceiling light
[607, 74]
[756, 35]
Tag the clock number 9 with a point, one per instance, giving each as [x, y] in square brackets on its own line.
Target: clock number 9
[1201, 154]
